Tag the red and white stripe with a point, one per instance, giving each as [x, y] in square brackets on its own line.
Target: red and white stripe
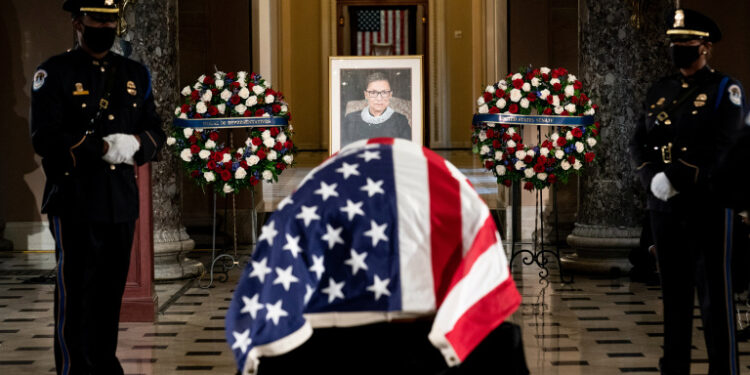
[393, 29]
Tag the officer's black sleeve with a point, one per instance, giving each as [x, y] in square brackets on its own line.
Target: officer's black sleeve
[697, 164]
[62, 146]
[152, 137]
[638, 148]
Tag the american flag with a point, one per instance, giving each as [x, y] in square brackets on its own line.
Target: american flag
[382, 26]
[385, 229]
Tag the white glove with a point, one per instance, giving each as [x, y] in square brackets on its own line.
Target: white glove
[122, 147]
[662, 188]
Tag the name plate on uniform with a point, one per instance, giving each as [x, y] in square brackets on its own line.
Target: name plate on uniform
[546, 120]
[230, 122]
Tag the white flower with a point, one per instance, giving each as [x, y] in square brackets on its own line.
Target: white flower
[526, 87]
[544, 70]
[554, 137]
[207, 95]
[553, 81]
[565, 165]
[209, 176]
[541, 176]
[558, 109]
[500, 169]
[199, 130]
[210, 144]
[186, 154]
[272, 155]
[201, 107]
[240, 150]
[559, 154]
[267, 175]
[515, 95]
[502, 85]
[484, 150]
[187, 132]
[482, 136]
[519, 165]
[241, 75]
[577, 164]
[528, 172]
[569, 90]
[284, 108]
[500, 103]
[240, 108]
[183, 116]
[571, 108]
[251, 101]
[219, 83]
[258, 89]
[535, 82]
[218, 75]
[524, 103]
[520, 154]
[579, 147]
[267, 84]
[266, 134]
[186, 91]
[201, 78]
[288, 158]
[516, 76]
[204, 154]
[226, 158]
[222, 108]
[177, 111]
[490, 89]
[498, 155]
[530, 152]
[171, 141]
[591, 141]
[269, 99]
[252, 160]
[227, 188]
[556, 101]
[240, 173]
[244, 93]
[569, 136]
[269, 142]
[225, 95]
[589, 112]
[511, 144]
[571, 78]
[511, 131]
[247, 142]
[544, 151]
[480, 100]
[281, 137]
[483, 108]
[545, 94]
[198, 86]
[253, 147]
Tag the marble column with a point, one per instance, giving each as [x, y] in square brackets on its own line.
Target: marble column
[622, 53]
[151, 38]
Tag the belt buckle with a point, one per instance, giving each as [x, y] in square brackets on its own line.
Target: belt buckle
[666, 153]
[103, 103]
[662, 117]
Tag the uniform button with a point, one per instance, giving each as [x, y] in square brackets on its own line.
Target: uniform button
[83, 105]
[112, 167]
[95, 62]
[102, 69]
[111, 117]
[135, 105]
[684, 149]
[684, 85]
[67, 174]
[695, 112]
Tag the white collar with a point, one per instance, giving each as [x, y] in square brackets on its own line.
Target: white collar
[372, 120]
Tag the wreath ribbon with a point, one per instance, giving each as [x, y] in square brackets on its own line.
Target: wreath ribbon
[231, 122]
[544, 120]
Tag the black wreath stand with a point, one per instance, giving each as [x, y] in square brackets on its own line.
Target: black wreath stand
[537, 254]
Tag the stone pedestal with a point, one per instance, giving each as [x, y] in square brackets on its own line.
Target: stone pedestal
[152, 40]
[618, 62]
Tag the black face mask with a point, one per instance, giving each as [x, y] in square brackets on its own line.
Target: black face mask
[99, 39]
[684, 56]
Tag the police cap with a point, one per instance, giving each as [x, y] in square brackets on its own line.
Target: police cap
[688, 24]
[100, 10]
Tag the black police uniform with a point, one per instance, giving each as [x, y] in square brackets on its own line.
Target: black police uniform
[689, 124]
[91, 205]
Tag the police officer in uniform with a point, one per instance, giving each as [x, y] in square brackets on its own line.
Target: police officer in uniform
[92, 120]
[689, 123]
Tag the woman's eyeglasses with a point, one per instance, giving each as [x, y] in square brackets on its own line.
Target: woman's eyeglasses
[375, 94]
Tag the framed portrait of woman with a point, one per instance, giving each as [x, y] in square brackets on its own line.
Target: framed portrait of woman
[373, 97]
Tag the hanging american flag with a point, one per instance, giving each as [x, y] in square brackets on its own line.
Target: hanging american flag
[382, 26]
[385, 229]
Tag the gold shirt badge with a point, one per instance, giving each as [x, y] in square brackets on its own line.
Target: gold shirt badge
[131, 88]
[700, 100]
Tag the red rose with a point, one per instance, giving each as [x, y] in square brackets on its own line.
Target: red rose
[506, 136]
[234, 85]
[513, 108]
[531, 97]
[288, 144]
[208, 80]
[256, 141]
[528, 159]
[510, 166]
[506, 182]
[194, 173]
[490, 133]
[528, 186]
[280, 166]
[494, 110]
[518, 83]
[574, 100]
[243, 164]
[489, 164]
[262, 129]
[556, 87]
[511, 150]
[487, 97]
[577, 132]
[584, 99]
[545, 77]
[539, 168]
[278, 146]
[270, 92]
[276, 108]
[185, 108]
[542, 159]
[261, 154]
[499, 93]
[547, 111]
[546, 143]
[226, 175]
[571, 159]
[552, 179]
[211, 165]
[561, 141]
[496, 144]
[259, 112]
[213, 111]
[197, 115]
[214, 91]
[516, 137]
[505, 126]
[595, 106]
[564, 113]
[589, 157]
[529, 75]
[195, 95]
[231, 75]
[595, 131]
[214, 136]
[597, 124]
[274, 131]
[195, 149]
[577, 85]
[192, 139]
[247, 113]
[253, 180]
[550, 99]
[235, 99]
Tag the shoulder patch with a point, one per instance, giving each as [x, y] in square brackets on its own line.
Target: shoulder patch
[39, 77]
[735, 95]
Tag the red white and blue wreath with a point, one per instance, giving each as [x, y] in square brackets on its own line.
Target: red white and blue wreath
[550, 97]
[232, 100]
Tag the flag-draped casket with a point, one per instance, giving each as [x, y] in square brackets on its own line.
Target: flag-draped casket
[385, 229]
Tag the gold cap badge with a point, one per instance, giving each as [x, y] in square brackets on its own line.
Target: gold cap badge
[679, 18]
